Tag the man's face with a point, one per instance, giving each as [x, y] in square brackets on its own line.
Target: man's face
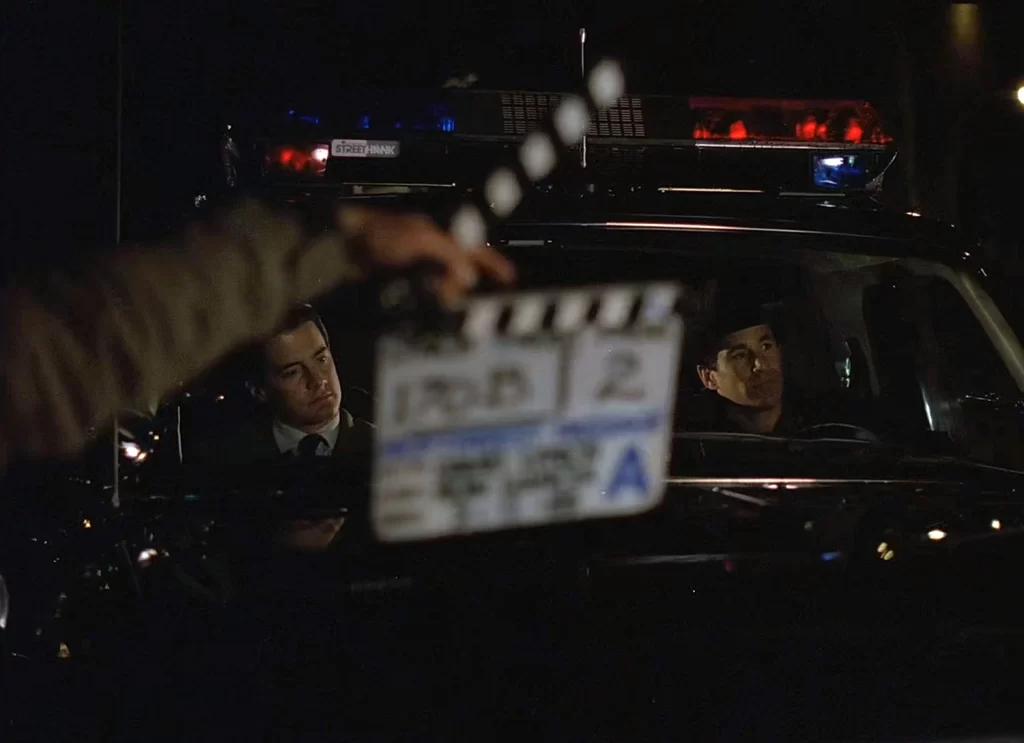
[302, 382]
[748, 371]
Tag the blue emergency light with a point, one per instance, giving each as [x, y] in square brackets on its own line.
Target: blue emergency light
[841, 171]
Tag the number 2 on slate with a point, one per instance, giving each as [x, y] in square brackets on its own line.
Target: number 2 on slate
[621, 366]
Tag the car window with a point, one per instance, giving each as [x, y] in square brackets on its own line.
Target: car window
[864, 341]
[861, 335]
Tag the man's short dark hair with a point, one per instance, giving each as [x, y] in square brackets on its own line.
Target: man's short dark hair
[255, 361]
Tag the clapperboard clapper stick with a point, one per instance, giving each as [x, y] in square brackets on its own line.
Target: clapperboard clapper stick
[538, 155]
[408, 300]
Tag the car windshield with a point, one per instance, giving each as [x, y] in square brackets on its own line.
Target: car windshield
[816, 338]
[798, 337]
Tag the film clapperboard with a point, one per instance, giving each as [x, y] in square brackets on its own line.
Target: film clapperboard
[528, 408]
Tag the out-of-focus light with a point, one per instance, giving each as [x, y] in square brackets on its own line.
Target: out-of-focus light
[937, 535]
[220, 397]
[771, 486]
[966, 20]
[854, 131]
[86, 524]
[1020, 95]
[132, 451]
[913, 214]
[997, 524]
[320, 154]
[832, 162]
[807, 129]
[5, 603]
[888, 555]
[882, 548]
[147, 556]
[737, 130]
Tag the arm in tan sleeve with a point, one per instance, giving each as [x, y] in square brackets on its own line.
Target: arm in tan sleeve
[129, 329]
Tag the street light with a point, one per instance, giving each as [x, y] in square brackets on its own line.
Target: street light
[1020, 95]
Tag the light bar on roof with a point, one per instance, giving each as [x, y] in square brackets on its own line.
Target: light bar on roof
[451, 136]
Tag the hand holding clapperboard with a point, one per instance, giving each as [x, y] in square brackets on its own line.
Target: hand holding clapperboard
[562, 413]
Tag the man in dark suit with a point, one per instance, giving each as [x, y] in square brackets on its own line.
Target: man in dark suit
[293, 373]
[294, 377]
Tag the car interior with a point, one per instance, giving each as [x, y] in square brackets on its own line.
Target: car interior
[865, 332]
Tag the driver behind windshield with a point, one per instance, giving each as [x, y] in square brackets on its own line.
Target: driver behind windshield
[740, 368]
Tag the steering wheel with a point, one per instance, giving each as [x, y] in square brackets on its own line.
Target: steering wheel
[838, 431]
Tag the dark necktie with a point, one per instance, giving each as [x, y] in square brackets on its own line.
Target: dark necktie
[310, 444]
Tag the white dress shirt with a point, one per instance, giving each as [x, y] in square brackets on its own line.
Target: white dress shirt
[288, 437]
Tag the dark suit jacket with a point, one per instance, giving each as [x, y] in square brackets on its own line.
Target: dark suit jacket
[706, 411]
[245, 459]
[253, 443]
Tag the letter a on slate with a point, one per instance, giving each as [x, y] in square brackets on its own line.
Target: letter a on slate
[629, 475]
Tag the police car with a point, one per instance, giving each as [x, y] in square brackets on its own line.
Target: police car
[740, 453]
[885, 320]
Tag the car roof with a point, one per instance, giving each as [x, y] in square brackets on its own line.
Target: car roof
[903, 234]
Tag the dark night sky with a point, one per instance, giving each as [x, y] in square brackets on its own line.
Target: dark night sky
[191, 64]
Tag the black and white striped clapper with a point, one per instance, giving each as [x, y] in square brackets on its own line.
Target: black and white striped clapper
[537, 156]
[611, 308]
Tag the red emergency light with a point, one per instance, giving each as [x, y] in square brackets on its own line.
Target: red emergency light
[298, 159]
[782, 121]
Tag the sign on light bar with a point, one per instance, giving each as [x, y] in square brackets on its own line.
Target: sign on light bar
[364, 148]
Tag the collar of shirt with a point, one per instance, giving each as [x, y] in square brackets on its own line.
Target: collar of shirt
[288, 438]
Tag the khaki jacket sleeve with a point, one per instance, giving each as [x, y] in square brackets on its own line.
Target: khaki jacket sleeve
[126, 331]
